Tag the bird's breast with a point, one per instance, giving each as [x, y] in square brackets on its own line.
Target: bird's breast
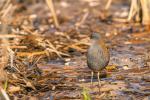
[97, 57]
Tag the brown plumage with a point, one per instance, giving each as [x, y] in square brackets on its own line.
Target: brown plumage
[97, 55]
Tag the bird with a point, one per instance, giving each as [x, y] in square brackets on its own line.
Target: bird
[98, 56]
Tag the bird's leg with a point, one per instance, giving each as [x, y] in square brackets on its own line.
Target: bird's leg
[92, 73]
[99, 85]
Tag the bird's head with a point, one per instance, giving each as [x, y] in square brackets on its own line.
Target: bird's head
[95, 36]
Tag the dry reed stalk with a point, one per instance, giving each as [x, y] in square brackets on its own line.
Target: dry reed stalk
[77, 44]
[7, 11]
[22, 54]
[53, 49]
[146, 11]
[4, 4]
[134, 9]
[140, 10]
[108, 4]
[4, 93]
[78, 24]
[15, 47]
[51, 7]
[59, 54]
[5, 55]
[10, 36]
